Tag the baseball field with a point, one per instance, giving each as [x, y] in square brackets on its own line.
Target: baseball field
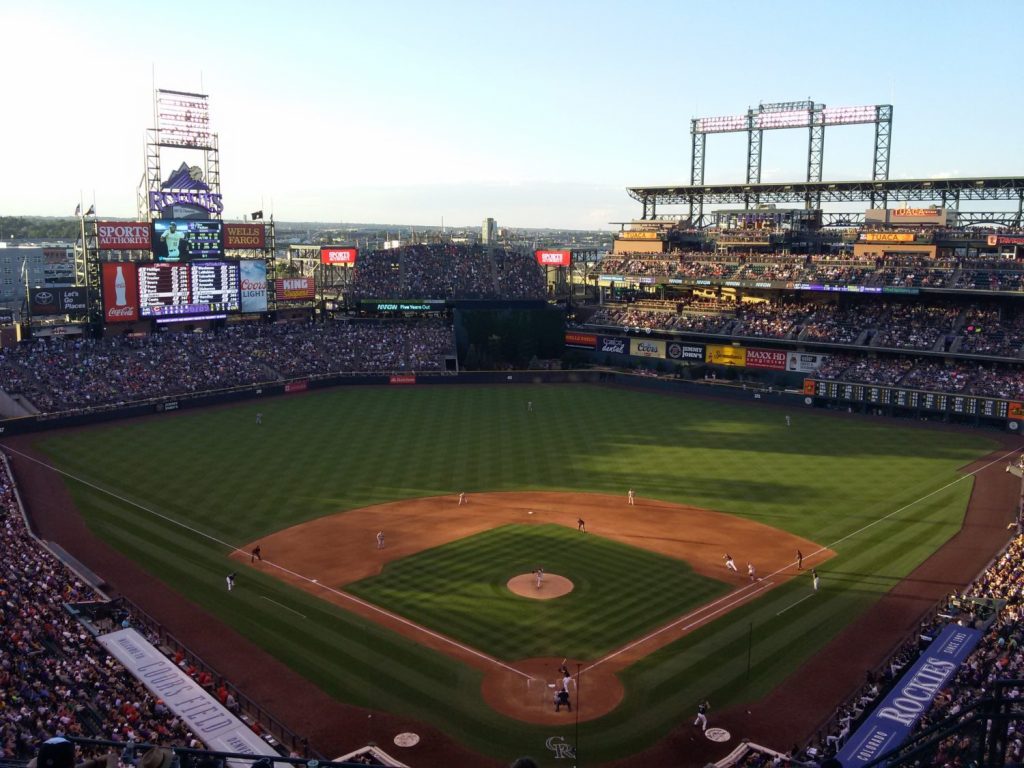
[428, 629]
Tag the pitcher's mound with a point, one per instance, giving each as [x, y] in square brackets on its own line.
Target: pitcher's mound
[525, 585]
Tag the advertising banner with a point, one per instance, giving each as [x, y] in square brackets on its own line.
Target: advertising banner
[295, 288]
[297, 386]
[1005, 240]
[887, 237]
[804, 363]
[554, 258]
[1015, 410]
[245, 236]
[646, 348]
[123, 235]
[402, 380]
[677, 350]
[205, 716]
[6, 316]
[614, 345]
[57, 301]
[345, 256]
[892, 721]
[582, 340]
[120, 292]
[809, 387]
[253, 283]
[718, 354]
[768, 359]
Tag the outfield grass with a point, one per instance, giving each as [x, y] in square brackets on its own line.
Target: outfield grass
[217, 472]
[620, 592]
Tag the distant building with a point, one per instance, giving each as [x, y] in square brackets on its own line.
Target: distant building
[489, 232]
[43, 265]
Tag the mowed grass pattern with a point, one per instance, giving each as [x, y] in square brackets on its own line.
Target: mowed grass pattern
[620, 592]
[825, 477]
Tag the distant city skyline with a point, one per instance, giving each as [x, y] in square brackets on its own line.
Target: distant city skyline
[535, 114]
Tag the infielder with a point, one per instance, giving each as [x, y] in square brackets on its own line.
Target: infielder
[380, 539]
[631, 497]
[462, 498]
[540, 577]
[730, 563]
[750, 572]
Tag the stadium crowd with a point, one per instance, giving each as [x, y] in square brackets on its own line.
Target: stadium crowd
[975, 328]
[54, 677]
[447, 271]
[997, 656]
[58, 374]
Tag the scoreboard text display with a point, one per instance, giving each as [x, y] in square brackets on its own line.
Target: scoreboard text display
[168, 290]
[967, 405]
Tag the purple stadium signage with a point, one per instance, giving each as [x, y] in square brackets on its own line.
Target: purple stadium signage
[891, 722]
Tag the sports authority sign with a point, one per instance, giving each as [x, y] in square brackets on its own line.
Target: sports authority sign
[768, 359]
[245, 236]
[554, 258]
[294, 288]
[335, 256]
[120, 292]
[893, 720]
[123, 235]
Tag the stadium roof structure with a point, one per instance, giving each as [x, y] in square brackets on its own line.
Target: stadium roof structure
[947, 192]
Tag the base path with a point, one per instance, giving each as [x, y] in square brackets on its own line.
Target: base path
[322, 556]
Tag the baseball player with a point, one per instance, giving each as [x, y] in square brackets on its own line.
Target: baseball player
[380, 539]
[462, 498]
[789, 421]
[815, 581]
[799, 560]
[581, 525]
[529, 406]
[256, 554]
[539, 573]
[259, 419]
[750, 572]
[730, 563]
[631, 497]
[230, 579]
[702, 715]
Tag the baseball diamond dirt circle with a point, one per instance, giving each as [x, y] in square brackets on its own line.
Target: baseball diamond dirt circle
[786, 716]
[336, 549]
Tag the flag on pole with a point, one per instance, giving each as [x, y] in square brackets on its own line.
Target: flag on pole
[91, 211]
[78, 210]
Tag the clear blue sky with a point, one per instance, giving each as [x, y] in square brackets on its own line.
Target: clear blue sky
[535, 113]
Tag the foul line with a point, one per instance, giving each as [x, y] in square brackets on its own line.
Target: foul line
[794, 604]
[301, 577]
[264, 597]
[742, 596]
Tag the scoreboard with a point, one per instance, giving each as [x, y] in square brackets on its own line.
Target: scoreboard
[966, 405]
[193, 289]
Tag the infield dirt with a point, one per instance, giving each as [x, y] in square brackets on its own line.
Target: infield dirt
[340, 549]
